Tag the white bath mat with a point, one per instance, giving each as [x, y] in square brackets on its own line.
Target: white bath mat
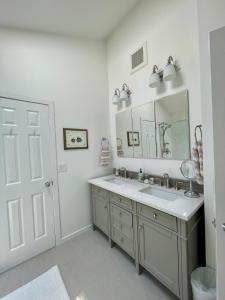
[48, 286]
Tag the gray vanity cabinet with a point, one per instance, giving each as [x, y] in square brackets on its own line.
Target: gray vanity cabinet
[122, 232]
[100, 199]
[166, 246]
[158, 253]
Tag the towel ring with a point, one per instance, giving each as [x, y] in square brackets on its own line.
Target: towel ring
[119, 142]
[198, 127]
[104, 140]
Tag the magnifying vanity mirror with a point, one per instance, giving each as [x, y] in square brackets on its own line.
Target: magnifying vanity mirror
[156, 129]
[187, 169]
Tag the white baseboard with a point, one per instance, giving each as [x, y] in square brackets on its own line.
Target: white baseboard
[74, 234]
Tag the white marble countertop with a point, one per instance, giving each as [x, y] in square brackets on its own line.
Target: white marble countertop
[182, 207]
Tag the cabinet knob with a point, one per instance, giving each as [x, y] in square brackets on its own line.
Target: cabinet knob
[155, 216]
[140, 227]
[120, 200]
[223, 226]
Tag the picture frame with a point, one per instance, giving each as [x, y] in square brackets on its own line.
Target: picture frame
[75, 139]
[133, 138]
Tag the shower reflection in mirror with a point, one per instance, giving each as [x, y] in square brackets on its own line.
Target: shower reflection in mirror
[164, 140]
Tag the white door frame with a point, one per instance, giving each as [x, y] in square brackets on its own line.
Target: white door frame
[217, 48]
[53, 162]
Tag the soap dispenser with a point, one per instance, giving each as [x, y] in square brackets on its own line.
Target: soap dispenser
[140, 175]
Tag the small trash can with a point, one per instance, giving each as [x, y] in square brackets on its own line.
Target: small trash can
[203, 282]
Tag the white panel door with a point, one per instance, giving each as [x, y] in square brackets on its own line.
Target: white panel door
[148, 139]
[26, 203]
[217, 47]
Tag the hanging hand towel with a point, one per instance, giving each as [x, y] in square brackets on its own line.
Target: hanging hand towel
[197, 153]
[119, 147]
[105, 157]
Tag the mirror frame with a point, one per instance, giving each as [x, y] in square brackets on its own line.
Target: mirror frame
[157, 146]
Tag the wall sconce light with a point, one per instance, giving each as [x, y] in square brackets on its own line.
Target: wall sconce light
[155, 77]
[122, 95]
[116, 96]
[169, 72]
[125, 92]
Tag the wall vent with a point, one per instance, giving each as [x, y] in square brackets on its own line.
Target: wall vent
[139, 58]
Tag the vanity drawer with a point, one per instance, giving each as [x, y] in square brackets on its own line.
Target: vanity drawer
[123, 228]
[99, 192]
[158, 216]
[125, 217]
[122, 201]
[125, 243]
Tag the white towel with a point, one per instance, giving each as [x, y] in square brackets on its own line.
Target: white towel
[120, 152]
[105, 156]
[197, 153]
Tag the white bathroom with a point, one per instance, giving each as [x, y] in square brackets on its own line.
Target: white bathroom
[112, 150]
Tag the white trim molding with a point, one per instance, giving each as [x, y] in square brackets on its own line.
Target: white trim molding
[76, 233]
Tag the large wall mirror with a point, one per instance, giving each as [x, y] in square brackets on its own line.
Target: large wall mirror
[123, 128]
[157, 129]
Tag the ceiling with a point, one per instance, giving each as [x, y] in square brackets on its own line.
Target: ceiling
[87, 18]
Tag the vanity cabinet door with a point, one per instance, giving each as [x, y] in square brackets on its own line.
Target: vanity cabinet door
[158, 253]
[101, 215]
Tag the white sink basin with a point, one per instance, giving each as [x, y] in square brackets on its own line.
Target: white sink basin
[169, 196]
[116, 181]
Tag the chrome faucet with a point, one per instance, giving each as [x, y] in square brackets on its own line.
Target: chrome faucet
[124, 170]
[159, 179]
[166, 179]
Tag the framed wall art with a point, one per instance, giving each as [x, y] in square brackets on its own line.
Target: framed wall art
[133, 138]
[75, 138]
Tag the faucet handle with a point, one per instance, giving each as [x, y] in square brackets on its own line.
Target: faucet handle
[159, 179]
[178, 185]
[123, 172]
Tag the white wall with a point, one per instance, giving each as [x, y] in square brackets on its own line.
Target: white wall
[72, 73]
[211, 15]
[170, 28]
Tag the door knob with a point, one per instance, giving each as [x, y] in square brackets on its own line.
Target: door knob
[223, 226]
[48, 183]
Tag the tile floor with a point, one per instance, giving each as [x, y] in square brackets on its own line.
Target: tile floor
[89, 266]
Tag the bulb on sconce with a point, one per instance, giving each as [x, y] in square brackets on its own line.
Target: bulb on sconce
[116, 96]
[125, 93]
[169, 72]
[154, 80]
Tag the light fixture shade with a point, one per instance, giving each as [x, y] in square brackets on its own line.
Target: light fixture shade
[125, 93]
[154, 80]
[123, 96]
[169, 73]
[116, 97]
